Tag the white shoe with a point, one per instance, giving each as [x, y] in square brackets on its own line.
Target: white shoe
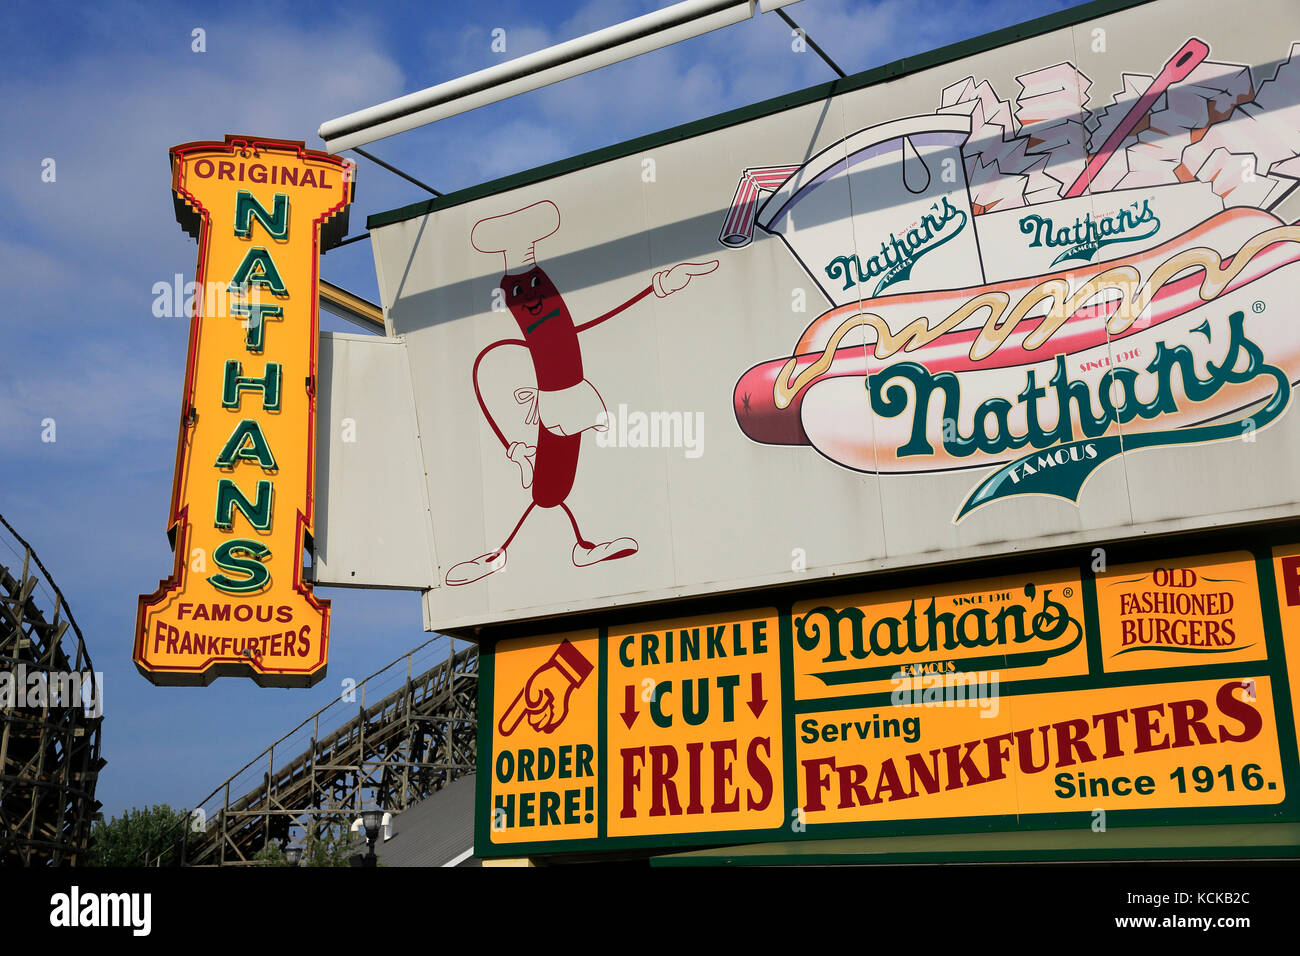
[467, 572]
[618, 548]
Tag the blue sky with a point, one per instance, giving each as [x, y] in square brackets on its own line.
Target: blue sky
[105, 90]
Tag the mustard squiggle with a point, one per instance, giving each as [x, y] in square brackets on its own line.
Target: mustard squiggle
[1124, 279]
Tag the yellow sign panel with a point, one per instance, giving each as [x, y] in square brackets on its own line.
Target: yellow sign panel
[694, 725]
[1195, 744]
[1021, 627]
[242, 494]
[1286, 573]
[1180, 613]
[545, 737]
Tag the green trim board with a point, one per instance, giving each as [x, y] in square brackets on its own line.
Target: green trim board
[1245, 840]
[1082, 675]
[483, 756]
[1176, 544]
[1069, 17]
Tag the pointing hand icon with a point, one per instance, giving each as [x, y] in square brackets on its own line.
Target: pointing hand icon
[672, 280]
[544, 699]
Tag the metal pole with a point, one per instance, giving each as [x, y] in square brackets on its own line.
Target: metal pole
[393, 169]
[812, 43]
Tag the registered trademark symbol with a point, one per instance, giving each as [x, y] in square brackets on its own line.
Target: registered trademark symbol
[1257, 306]
[1068, 592]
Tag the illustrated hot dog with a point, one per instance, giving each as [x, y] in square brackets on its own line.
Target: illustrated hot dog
[989, 339]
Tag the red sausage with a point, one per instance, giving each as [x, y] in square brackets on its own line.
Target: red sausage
[552, 341]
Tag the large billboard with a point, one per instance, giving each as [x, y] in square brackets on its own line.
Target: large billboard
[1149, 693]
[1029, 294]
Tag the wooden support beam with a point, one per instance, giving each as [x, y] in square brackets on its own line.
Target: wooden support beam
[339, 301]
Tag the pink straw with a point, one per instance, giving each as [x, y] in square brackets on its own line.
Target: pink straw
[1178, 68]
[738, 230]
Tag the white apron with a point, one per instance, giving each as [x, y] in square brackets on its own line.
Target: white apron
[568, 411]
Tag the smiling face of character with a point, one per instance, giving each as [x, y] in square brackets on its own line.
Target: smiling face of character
[548, 328]
[532, 299]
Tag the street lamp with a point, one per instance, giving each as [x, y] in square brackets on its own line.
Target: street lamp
[371, 821]
[293, 855]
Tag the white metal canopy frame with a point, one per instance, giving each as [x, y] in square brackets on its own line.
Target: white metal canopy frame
[656, 30]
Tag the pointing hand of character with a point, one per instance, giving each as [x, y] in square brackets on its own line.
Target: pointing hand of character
[673, 280]
[524, 456]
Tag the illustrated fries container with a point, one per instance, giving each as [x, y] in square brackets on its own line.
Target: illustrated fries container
[881, 212]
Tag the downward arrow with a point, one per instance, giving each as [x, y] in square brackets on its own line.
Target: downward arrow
[629, 714]
[756, 700]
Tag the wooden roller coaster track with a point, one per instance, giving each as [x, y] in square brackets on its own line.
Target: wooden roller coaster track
[390, 754]
[49, 741]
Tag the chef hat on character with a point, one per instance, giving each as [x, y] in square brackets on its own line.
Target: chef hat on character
[516, 234]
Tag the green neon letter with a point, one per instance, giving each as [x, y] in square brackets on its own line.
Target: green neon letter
[276, 223]
[257, 316]
[245, 557]
[247, 443]
[229, 497]
[235, 382]
[258, 269]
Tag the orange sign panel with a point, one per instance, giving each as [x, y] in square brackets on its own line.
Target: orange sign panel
[242, 494]
[906, 641]
[1286, 573]
[1180, 613]
[545, 737]
[694, 716]
[1197, 744]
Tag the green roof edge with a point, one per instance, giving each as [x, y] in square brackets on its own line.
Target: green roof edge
[1071, 16]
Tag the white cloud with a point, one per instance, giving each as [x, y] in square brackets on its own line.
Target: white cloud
[82, 254]
[110, 140]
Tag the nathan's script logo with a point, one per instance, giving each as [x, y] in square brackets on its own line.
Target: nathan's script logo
[1062, 471]
[933, 632]
[897, 256]
[1086, 235]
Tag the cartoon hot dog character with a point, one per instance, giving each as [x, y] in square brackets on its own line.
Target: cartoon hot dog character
[564, 403]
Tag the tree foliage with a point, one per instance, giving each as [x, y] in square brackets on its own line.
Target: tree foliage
[127, 840]
[124, 840]
[332, 846]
